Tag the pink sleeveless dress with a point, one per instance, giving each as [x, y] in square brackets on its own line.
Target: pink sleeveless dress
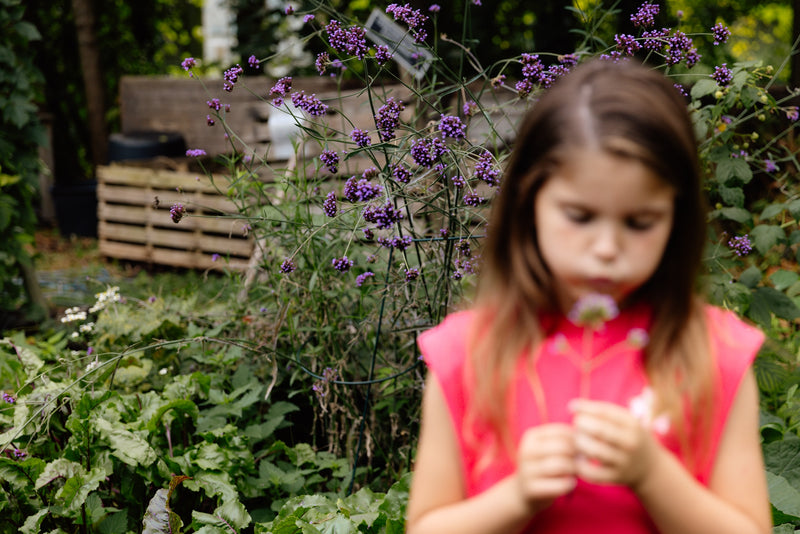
[614, 372]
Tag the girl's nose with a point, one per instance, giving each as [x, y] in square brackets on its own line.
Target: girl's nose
[607, 242]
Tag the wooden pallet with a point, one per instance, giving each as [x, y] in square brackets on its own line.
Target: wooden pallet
[133, 226]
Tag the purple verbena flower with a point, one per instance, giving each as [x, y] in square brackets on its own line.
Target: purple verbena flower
[473, 199]
[281, 88]
[532, 66]
[289, 9]
[214, 257]
[485, 170]
[209, 120]
[382, 54]
[352, 41]
[412, 274]
[360, 137]
[426, 152]
[19, 453]
[322, 62]
[523, 87]
[310, 103]
[497, 81]
[458, 180]
[443, 232]
[287, 266]
[469, 108]
[308, 18]
[741, 245]
[214, 104]
[792, 113]
[721, 33]
[692, 57]
[253, 62]
[383, 216]
[655, 39]
[451, 126]
[329, 205]
[570, 60]
[330, 158]
[401, 173]
[770, 166]
[361, 190]
[434, 8]
[388, 118]
[645, 15]
[9, 398]
[231, 76]
[195, 152]
[400, 243]
[413, 18]
[342, 264]
[361, 278]
[369, 235]
[189, 63]
[593, 310]
[176, 212]
[627, 44]
[681, 89]
[722, 75]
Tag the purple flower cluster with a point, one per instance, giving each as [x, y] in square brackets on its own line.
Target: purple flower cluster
[310, 103]
[189, 63]
[330, 158]
[329, 206]
[655, 39]
[361, 190]
[458, 180]
[209, 120]
[9, 398]
[287, 266]
[792, 113]
[497, 81]
[523, 87]
[532, 66]
[351, 41]
[361, 278]
[388, 118]
[426, 152]
[451, 126]
[741, 245]
[721, 33]
[382, 54]
[627, 44]
[195, 153]
[413, 18]
[322, 62]
[278, 91]
[645, 15]
[681, 48]
[484, 170]
[401, 173]
[400, 243]
[214, 104]
[253, 62]
[434, 8]
[231, 76]
[360, 137]
[412, 274]
[593, 310]
[473, 199]
[176, 212]
[383, 216]
[722, 75]
[342, 264]
[770, 166]
[470, 108]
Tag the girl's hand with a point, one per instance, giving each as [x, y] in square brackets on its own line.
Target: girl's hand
[546, 464]
[612, 445]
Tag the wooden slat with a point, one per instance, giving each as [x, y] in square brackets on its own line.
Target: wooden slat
[177, 258]
[147, 215]
[186, 240]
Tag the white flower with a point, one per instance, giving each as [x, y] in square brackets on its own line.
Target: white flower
[92, 365]
[642, 406]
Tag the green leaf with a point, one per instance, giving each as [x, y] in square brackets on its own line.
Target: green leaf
[783, 458]
[60, 468]
[125, 445]
[782, 279]
[794, 209]
[783, 496]
[116, 523]
[772, 210]
[184, 407]
[19, 474]
[739, 215]
[768, 301]
[733, 168]
[27, 31]
[766, 236]
[750, 277]
[732, 196]
[159, 519]
[33, 522]
[77, 488]
[703, 87]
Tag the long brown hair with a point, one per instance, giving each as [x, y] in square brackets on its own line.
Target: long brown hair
[631, 111]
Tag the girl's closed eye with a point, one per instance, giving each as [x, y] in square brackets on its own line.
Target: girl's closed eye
[578, 215]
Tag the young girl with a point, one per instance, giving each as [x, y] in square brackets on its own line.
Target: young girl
[589, 389]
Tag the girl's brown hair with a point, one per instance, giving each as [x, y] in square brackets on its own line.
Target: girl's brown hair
[627, 110]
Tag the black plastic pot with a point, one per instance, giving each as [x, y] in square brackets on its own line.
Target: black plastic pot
[145, 145]
[76, 208]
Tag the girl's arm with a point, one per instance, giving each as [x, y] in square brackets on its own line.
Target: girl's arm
[437, 501]
[736, 500]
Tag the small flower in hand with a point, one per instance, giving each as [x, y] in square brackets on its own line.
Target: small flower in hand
[593, 310]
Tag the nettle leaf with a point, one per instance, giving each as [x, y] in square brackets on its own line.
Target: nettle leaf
[703, 87]
[783, 458]
[732, 196]
[750, 277]
[772, 210]
[783, 496]
[767, 301]
[794, 209]
[126, 445]
[733, 168]
[766, 236]
[739, 215]
[782, 279]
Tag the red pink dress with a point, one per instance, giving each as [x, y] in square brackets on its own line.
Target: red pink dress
[607, 365]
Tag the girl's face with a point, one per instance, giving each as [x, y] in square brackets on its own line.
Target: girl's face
[602, 223]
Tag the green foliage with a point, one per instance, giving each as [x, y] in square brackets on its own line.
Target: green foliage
[21, 134]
